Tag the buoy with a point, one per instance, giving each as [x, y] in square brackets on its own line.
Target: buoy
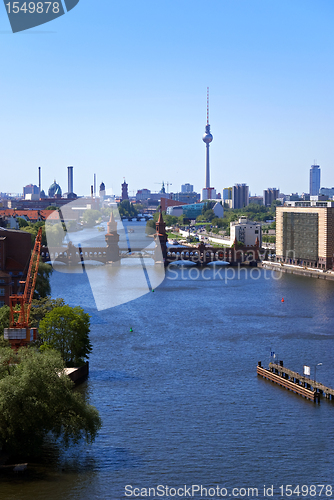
[152, 289]
[282, 300]
[131, 330]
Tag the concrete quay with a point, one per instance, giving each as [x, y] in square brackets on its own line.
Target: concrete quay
[297, 270]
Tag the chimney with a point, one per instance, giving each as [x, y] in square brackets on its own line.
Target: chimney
[39, 181]
[70, 180]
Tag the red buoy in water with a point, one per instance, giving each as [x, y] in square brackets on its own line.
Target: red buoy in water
[282, 300]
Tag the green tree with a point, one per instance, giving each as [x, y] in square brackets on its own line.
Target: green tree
[4, 323]
[150, 227]
[22, 222]
[209, 214]
[40, 307]
[43, 287]
[66, 329]
[36, 400]
[91, 217]
[126, 209]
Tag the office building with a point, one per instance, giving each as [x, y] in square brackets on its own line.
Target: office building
[187, 188]
[269, 195]
[314, 180]
[305, 234]
[240, 196]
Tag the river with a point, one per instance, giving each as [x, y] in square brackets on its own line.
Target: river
[179, 397]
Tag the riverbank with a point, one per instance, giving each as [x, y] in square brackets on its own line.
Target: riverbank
[297, 270]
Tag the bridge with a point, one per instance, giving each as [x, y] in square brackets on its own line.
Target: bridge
[73, 256]
[200, 255]
[204, 254]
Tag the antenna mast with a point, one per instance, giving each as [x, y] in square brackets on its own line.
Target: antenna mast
[207, 105]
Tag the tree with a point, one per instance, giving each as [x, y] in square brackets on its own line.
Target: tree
[40, 307]
[4, 323]
[43, 287]
[126, 209]
[209, 215]
[66, 329]
[91, 217]
[22, 222]
[36, 399]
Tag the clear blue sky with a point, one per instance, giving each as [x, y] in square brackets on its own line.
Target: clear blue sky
[119, 89]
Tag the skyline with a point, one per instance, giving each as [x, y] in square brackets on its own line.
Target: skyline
[120, 91]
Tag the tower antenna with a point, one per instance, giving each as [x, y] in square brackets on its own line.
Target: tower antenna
[207, 105]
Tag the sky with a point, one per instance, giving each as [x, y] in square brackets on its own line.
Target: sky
[119, 89]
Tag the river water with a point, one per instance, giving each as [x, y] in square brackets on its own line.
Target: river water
[179, 397]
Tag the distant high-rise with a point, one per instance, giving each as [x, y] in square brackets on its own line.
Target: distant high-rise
[187, 188]
[314, 180]
[240, 196]
[269, 195]
[208, 192]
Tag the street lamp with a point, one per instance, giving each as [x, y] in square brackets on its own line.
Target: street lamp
[315, 370]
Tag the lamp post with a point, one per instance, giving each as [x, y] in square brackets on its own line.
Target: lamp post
[315, 371]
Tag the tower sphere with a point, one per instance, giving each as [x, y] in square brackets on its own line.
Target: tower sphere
[207, 137]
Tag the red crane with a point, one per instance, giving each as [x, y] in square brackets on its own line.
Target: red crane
[18, 332]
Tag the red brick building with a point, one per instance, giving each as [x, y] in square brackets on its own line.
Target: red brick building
[15, 251]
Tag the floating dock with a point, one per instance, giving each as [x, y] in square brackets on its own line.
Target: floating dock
[295, 382]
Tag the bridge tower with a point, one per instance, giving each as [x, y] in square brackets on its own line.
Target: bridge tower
[112, 239]
[161, 237]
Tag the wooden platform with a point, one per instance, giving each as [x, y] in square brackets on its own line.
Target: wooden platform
[288, 384]
[284, 372]
[295, 382]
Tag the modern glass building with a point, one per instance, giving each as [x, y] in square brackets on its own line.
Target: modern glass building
[314, 180]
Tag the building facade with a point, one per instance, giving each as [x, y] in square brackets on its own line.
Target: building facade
[327, 192]
[314, 180]
[305, 234]
[186, 197]
[246, 231]
[187, 188]
[270, 195]
[15, 251]
[240, 196]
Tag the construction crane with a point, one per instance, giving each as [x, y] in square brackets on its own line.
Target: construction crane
[18, 332]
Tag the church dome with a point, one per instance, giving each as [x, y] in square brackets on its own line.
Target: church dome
[54, 190]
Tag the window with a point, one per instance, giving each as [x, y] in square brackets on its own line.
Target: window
[2, 292]
[2, 303]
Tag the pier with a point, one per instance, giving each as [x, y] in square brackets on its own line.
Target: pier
[295, 382]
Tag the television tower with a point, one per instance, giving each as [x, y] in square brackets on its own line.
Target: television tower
[207, 138]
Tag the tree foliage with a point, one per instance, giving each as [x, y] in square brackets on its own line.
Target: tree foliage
[40, 307]
[127, 209]
[66, 329]
[91, 217]
[36, 399]
[43, 287]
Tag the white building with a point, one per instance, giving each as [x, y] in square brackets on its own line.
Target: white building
[245, 231]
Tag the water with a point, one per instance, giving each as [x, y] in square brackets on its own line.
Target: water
[179, 397]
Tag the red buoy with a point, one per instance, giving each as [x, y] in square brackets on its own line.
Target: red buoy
[282, 300]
